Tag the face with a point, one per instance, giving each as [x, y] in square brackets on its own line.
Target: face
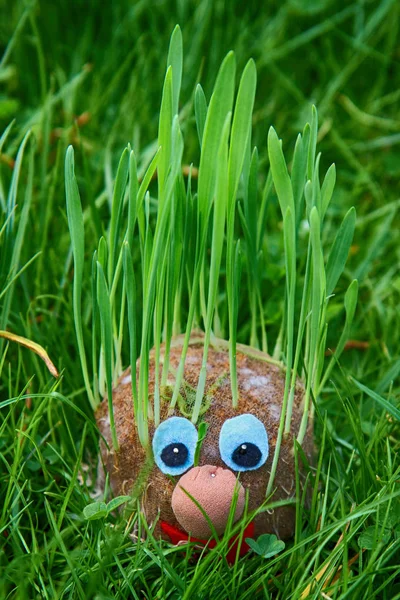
[242, 447]
[234, 457]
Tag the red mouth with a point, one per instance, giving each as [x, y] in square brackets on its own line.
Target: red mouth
[176, 536]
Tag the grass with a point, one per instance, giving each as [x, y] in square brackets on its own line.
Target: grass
[102, 89]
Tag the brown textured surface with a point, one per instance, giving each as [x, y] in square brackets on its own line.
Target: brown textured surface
[261, 387]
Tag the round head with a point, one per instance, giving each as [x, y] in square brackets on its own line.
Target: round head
[200, 481]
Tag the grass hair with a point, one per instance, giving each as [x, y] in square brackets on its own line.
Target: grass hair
[170, 267]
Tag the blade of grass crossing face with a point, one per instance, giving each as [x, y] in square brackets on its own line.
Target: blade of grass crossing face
[75, 224]
[103, 302]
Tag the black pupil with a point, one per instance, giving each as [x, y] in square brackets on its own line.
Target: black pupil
[247, 455]
[174, 455]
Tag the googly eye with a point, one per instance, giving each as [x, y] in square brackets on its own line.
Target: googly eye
[243, 443]
[174, 445]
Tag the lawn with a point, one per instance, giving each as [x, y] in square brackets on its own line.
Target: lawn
[84, 106]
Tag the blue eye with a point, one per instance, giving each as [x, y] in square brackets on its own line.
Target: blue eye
[174, 444]
[243, 443]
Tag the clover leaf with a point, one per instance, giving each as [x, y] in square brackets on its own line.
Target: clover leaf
[266, 545]
[99, 510]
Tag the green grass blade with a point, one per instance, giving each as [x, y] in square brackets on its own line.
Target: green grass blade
[317, 299]
[298, 177]
[132, 198]
[312, 143]
[237, 272]
[8, 244]
[220, 104]
[241, 127]
[340, 250]
[131, 296]
[327, 188]
[3, 140]
[103, 302]
[385, 404]
[175, 59]
[12, 243]
[280, 175]
[75, 224]
[220, 205]
[200, 110]
[164, 134]
[116, 211]
[350, 304]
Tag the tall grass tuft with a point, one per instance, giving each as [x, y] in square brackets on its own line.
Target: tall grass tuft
[167, 264]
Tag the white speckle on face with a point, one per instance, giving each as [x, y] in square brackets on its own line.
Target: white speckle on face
[255, 381]
[192, 359]
[126, 379]
[245, 371]
[274, 411]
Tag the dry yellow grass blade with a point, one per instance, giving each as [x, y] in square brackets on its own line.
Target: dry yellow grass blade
[322, 571]
[31, 346]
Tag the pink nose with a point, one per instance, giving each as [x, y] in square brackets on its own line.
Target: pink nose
[213, 488]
